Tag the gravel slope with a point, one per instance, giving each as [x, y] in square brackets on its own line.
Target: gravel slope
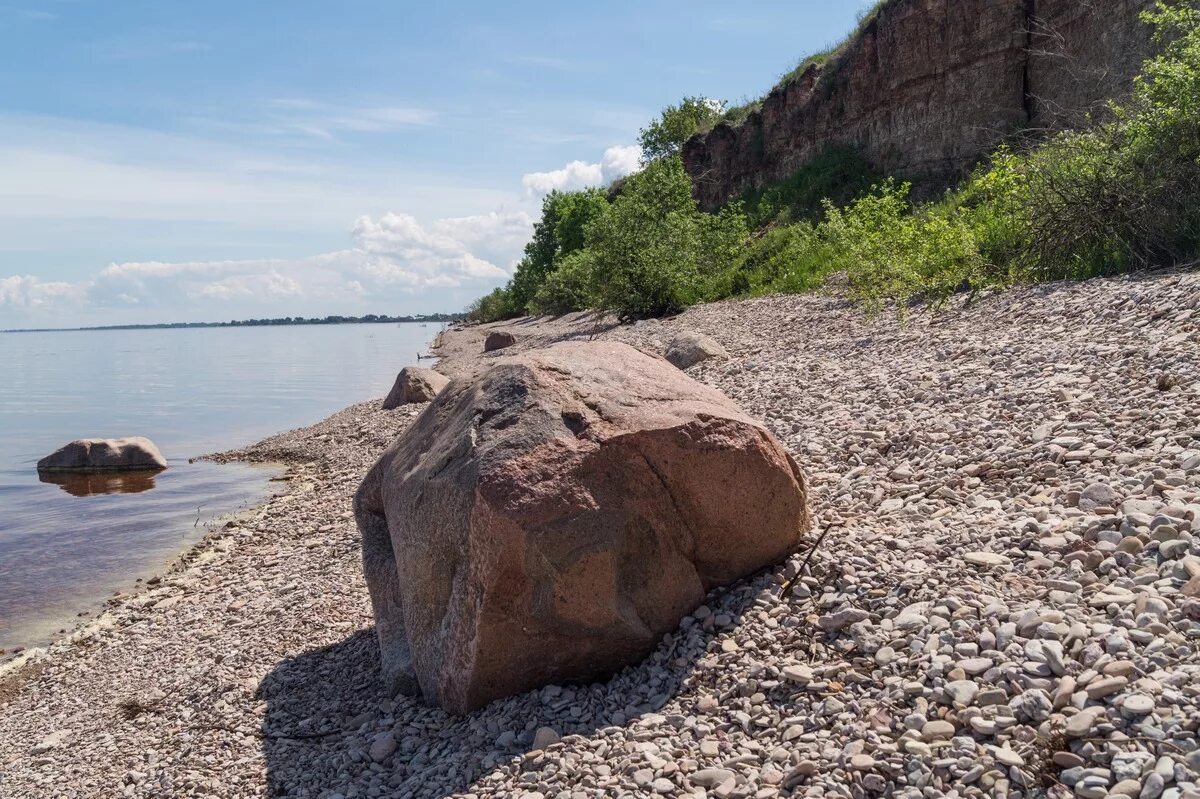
[1009, 598]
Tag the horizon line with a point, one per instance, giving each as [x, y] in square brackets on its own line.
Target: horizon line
[280, 321]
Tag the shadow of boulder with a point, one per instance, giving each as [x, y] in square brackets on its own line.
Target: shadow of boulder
[332, 731]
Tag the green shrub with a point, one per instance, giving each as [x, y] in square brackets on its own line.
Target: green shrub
[994, 203]
[646, 247]
[559, 232]
[840, 174]
[890, 253]
[1126, 194]
[570, 287]
[1083, 209]
[865, 17]
[491, 307]
[737, 114]
[723, 237]
[789, 259]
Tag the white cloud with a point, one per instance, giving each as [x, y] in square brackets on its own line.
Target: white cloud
[29, 292]
[617, 162]
[324, 121]
[455, 249]
[391, 257]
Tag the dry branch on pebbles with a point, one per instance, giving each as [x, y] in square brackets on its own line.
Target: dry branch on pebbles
[975, 625]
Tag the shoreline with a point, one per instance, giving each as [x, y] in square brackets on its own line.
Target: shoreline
[81, 629]
[250, 668]
[62, 557]
[269, 452]
[50, 624]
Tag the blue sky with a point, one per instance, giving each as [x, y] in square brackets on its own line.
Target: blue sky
[165, 161]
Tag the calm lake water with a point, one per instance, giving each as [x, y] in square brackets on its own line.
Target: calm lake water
[66, 545]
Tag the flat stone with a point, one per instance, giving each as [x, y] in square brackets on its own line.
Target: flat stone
[961, 691]
[986, 559]
[1097, 495]
[1007, 756]
[832, 622]
[1148, 507]
[1174, 549]
[1082, 723]
[1098, 689]
[975, 666]
[1130, 788]
[991, 696]
[862, 762]
[1137, 705]
[52, 741]
[937, 730]
[984, 726]
[711, 777]
[1119, 668]
[1067, 760]
[798, 673]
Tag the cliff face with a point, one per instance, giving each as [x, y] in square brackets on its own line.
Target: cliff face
[929, 86]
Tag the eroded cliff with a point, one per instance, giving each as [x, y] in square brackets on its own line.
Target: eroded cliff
[929, 86]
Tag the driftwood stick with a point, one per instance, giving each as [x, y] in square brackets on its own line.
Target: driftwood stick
[787, 587]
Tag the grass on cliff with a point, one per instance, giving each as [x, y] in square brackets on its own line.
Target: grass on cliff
[865, 17]
[736, 114]
[1121, 196]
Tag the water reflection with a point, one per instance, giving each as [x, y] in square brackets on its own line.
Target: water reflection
[86, 484]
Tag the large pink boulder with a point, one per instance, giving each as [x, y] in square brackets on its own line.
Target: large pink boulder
[548, 521]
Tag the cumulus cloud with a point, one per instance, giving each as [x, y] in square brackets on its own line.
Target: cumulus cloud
[391, 256]
[617, 162]
[29, 292]
[395, 251]
[445, 253]
[166, 284]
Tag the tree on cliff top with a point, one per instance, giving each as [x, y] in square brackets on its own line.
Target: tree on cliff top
[678, 123]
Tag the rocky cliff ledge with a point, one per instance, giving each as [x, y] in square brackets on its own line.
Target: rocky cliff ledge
[928, 86]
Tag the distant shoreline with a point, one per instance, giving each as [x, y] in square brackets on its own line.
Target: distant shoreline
[280, 322]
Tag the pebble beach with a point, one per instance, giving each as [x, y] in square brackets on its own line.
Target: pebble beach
[1006, 602]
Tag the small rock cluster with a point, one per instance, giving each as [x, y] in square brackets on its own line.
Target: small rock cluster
[1005, 603]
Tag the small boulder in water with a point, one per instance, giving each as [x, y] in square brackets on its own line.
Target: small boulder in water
[414, 384]
[104, 454]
